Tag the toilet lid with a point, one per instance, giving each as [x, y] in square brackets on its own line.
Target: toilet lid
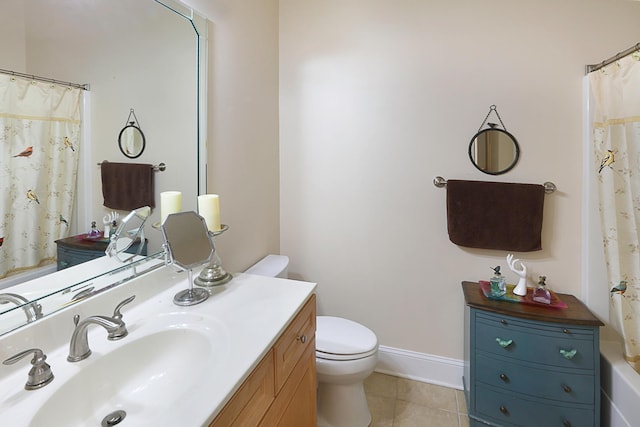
[343, 339]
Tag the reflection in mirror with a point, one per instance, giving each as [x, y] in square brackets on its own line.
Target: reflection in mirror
[33, 310]
[131, 141]
[494, 151]
[68, 290]
[130, 231]
[75, 43]
[188, 245]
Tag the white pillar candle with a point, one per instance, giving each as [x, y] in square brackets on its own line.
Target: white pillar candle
[170, 202]
[209, 209]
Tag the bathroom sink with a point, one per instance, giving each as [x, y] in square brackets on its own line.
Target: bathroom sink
[143, 377]
[178, 366]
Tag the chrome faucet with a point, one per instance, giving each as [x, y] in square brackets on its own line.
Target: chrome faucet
[33, 310]
[40, 374]
[115, 326]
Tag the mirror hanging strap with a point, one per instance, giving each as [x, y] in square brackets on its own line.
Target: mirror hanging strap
[137, 123]
[484, 122]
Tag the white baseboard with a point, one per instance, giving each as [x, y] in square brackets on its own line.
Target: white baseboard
[420, 367]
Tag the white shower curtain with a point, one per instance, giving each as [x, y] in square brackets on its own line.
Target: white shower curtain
[39, 146]
[616, 138]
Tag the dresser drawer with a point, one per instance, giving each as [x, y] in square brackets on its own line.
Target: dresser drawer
[293, 342]
[510, 409]
[557, 345]
[521, 378]
[68, 257]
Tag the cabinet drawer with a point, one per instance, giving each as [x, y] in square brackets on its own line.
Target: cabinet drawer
[506, 408]
[562, 346]
[520, 378]
[294, 341]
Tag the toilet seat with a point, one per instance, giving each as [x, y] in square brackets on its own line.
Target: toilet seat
[343, 339]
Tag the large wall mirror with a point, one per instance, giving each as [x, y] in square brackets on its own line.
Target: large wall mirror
[142, 54]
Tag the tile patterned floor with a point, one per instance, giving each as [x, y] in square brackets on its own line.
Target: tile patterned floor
[398, 402]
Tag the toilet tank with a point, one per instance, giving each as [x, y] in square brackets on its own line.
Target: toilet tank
[271, 266]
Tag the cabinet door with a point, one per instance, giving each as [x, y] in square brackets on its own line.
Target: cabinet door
[250, 402]
[295, 405]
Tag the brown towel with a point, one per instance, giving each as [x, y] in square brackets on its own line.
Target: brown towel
[127, 186]
[495, 215]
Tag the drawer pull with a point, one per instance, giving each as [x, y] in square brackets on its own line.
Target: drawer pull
[568, 354]
[504, 322]
[301, 338]
[504, 378]
[567, 389]
[504, 410]
[506, 343]
[566, 423]
[566, 331]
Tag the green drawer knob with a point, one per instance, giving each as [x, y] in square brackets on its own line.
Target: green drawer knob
[504, 343]
[568, 354]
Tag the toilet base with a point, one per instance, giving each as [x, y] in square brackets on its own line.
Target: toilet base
[342, 405]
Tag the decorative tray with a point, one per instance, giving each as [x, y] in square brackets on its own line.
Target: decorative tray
[98, 238]
[527, 299]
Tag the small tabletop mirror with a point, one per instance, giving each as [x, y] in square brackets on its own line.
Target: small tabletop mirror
[130, 230]
[131, 140]
[188, 245]
[494, 151]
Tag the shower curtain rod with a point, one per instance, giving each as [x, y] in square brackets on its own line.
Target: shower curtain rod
[45, 79]
[595, 67]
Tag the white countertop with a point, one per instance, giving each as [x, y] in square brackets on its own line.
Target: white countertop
[246, 316]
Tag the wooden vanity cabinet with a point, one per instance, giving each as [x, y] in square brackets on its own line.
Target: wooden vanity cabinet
[281, 390]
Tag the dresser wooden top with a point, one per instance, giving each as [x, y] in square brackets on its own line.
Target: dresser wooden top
[575, 314]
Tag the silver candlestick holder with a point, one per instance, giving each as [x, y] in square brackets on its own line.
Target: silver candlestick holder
[213, 274]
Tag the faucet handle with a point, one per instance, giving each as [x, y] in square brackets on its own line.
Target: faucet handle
[40, 374]
[116, 312]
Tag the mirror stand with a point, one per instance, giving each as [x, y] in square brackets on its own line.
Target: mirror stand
[213, 274]
[187, 244]
[190, 296]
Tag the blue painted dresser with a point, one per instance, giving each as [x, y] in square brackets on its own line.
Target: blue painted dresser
[75, 250]
[530, 365]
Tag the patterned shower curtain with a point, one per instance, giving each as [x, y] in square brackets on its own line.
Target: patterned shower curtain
[616, 138]
[39, 143]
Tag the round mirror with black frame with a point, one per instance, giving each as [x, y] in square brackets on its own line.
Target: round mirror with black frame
[494, 151]
[131, 139]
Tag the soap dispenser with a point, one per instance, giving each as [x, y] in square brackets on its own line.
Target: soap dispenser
[541, 293]
[498, 283]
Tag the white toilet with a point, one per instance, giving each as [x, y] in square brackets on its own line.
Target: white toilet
[346, 354]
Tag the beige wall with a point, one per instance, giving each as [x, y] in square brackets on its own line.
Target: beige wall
[379, 97]
[243, 126]
[12, 42]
